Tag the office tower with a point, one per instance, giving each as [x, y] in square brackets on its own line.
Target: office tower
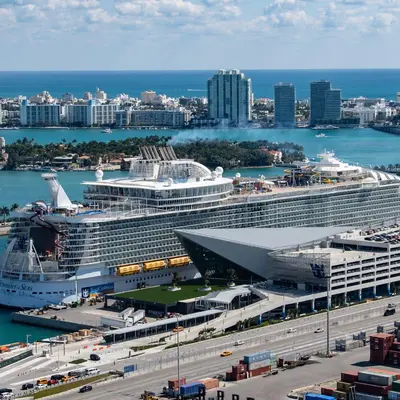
[332, 105]
[285, 105]
[317, 100]
[230, 97]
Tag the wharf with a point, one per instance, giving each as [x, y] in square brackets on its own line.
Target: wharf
[68, 320]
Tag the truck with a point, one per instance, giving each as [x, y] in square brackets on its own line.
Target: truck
[187, 391]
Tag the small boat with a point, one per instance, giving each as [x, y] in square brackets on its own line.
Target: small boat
[107, 131]
[320, 135]
[325, 128]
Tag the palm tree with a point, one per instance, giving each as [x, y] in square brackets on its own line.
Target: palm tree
[14, 207]
[231, 275]
[176, 278]
[4, 211]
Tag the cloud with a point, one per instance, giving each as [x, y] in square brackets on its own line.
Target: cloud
[99, 15]
[383, 20]
[28, 13]
[284, 13]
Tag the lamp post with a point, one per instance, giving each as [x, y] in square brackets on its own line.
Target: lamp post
[319, 272]
[27, 339]
[178, 329]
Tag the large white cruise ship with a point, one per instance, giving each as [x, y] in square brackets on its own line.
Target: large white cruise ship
[123, 238]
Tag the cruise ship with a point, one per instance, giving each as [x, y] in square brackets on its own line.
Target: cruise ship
[123, 235]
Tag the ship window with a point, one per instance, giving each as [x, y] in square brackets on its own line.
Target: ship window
[40, 292]
[34, 292]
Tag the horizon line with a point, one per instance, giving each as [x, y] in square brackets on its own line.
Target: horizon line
[199, 70]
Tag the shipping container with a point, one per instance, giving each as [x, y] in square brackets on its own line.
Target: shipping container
[393, 395]
[262, 355]
[259, 371]
[396, 386]
[368, 388]
[375, 378]
[396, 375]
[316, 396]
[210, 383]
[228, 376]
[349, 376]
[396, 345]
[237, 369]
[363, 396]
[327, 391]
[173, 383]
[338, 395]
[191, 389]
[258, 364]
[343, 386]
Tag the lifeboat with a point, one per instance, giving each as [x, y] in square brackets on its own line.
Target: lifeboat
[128, 269]
[154, 265]
[178, 261]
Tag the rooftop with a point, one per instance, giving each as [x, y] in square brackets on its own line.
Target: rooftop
[161, 294]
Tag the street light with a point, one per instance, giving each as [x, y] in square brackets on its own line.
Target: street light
[319, 272]
[177, 330]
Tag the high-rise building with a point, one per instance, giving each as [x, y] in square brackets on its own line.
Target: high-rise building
[317, 100]
[147, 96]
[39, 114]
[230, 97]
[285, 105]
[333, 101]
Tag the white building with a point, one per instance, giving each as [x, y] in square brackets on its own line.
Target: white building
[366, 114]
[147, 96]
[2, 146]
[172, 118]
[100, 95]
[43, 97]
[68, 98]
[39, 114]
[92, 113]
[230, 97]
[1, 115]
[87, 96]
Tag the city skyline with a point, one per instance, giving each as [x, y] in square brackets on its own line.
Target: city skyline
[159, 34]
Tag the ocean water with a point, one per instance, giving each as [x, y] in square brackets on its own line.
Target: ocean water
[354, 83]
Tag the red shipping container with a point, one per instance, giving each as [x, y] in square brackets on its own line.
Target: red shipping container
[173, 383]
[375, 390]
[259, 371]
[394, 353]
[327, 391]
[349, 376]
[210, 383]
[396, 346]
[236, 369]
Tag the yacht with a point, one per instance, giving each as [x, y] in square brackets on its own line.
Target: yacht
[325, 128]
[122, 236]
[107, 131]
[320, 135]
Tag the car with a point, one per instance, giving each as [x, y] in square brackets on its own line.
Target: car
[226, 353]
[27, 386]
[52, 382]
[42, 381]
[94, 357]
[239, 342]
[319, 330]
[5, 390]
[86, 388]
[41, 385]
[150, 394]
[68, 378]
[292, 330]
[57, 377]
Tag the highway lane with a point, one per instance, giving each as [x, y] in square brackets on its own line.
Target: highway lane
[154, 373]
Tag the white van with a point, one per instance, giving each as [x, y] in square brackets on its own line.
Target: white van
[92, 371]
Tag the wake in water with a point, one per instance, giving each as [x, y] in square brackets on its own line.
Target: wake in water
[197, 90]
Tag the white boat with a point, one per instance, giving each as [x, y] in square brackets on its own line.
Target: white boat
[125, 237]
[320, 135]
[107, 131]
[325, 128]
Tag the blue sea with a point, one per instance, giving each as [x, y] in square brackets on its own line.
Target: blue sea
[364, 146]
[369, 83]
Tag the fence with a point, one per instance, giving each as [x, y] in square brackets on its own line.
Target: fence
[16, 358]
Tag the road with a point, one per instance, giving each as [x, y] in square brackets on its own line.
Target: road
[203, 358]
[271, 388]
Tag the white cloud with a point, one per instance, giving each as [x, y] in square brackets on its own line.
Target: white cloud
[383, 20]
[99, 15]
[56, 4]
[28, 13]
[282, 13]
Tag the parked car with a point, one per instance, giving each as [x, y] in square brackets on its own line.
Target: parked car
[5, 390]
[94, 357]
[52, 382]
[42, 381]
[57, 377]
[41, 385]
[86, 388]
[319, 330]
[27, 386]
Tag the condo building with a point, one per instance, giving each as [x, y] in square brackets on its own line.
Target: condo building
[230, 97]
[39, 114]
[285, 105]
[325, 102]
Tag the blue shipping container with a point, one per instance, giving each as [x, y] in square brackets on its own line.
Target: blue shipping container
[316, 396]
[261, 356]
[191, 388]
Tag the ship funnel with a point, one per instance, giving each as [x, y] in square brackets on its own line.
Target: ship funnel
[59, 198]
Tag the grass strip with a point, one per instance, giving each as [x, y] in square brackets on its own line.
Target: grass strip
[68, 386]
[78, 361]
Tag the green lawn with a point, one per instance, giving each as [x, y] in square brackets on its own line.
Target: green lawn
[161, 294]
[69, 386]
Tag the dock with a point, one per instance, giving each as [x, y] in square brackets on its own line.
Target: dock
[4, 230]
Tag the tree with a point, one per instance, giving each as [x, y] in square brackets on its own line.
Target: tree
[176, 278]
[14, 207]
[4, 212]
[231, 275]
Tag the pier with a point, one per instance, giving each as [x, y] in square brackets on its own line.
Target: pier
[4, 229]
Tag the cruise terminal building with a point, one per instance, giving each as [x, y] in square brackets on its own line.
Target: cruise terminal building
[361, 263]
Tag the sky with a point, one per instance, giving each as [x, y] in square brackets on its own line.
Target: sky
[198, 34]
